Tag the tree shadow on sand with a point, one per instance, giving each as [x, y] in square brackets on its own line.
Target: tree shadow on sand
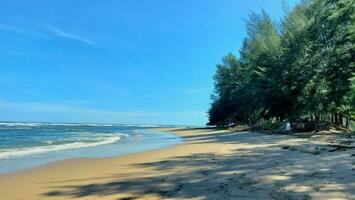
[263, 172]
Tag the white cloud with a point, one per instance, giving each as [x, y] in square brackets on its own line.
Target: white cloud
[60, 112]
[5, 27]
[63, 34]
[19, 31]
[46, 107]
[54, 32]
[62, 108]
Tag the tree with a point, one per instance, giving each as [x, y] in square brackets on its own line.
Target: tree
[303, 68]
[350, 100]
[227, 74]
[260, 56]
[295, 55]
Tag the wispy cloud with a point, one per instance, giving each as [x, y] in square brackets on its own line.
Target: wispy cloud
[60, 33]
[20, 31]
[101, 86]
[48, 107]
[52, 30]
[61, 112]
[5, 27]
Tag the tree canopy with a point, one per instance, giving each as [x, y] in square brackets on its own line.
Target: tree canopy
[301, 67]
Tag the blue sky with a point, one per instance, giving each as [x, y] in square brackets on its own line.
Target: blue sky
[117, 61]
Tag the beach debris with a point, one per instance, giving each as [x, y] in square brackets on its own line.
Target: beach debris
[334, 140]
[281, 194]
[316, 187]
[319, 174]
[204, 172]
[166, 193]
[310, 149]
[303, 148]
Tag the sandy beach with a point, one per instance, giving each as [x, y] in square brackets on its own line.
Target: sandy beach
[210, 164]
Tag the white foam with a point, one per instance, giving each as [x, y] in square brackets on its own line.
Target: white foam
[13, 124]
[141, 125]
[19, 124]
[70, 124]
[7, 153]
[30, 124]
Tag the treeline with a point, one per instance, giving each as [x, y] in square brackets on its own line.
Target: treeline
[302, 67]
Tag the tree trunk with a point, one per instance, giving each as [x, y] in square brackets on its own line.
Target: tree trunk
[336, 118]
[341, 120]
[331, 118]
[317, 117]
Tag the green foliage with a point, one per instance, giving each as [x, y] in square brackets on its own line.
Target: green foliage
[269, 125]
[304, 67]
[350, 106]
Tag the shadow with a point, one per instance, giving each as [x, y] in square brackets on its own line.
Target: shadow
[260, 171]
[204, 129]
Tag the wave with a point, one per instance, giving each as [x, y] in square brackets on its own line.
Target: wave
[19, 124]
[70, 124]
[30, 124]
[141, 125]
[7, 153]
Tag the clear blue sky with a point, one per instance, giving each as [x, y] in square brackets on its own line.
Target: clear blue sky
[116, 61]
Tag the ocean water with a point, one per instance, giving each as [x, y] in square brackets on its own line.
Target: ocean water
[27, 145]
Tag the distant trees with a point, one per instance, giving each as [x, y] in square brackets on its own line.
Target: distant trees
[302, 68]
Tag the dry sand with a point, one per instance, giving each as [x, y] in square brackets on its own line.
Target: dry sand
[210, 164]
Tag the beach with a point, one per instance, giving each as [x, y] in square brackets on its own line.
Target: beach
[209, 164]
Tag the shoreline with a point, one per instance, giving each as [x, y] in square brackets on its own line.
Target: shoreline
[117, 148]
[86, 159]
[209, 164]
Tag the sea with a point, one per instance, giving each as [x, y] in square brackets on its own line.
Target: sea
[27, 145]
